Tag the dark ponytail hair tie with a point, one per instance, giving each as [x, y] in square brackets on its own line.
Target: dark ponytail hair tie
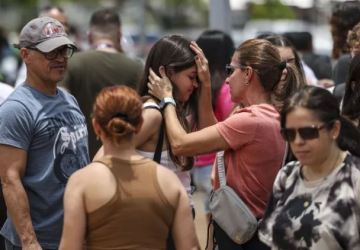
[282, 65]
[121, 116]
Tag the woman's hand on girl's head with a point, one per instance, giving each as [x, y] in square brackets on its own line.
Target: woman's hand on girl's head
[159, 87]
[201, 64]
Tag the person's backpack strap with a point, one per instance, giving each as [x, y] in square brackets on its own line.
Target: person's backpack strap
[159, 144]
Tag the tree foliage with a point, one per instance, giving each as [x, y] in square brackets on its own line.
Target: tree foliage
[271, 9]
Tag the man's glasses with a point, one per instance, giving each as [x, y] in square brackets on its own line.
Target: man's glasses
[229, 69]
[65, 51]
[306, 133]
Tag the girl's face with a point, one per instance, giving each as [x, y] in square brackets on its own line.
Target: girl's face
[313, 151]
[236, 80]
[288, 56]
[185, 82]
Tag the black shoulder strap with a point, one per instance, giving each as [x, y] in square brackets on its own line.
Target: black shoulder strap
[159, 144]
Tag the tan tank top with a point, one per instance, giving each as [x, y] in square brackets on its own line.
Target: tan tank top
[138, 216]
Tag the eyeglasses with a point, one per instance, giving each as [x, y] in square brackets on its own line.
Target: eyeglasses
[64, 51]
[306, 133]
[231, 68]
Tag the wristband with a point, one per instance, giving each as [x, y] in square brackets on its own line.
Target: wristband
[166, 101]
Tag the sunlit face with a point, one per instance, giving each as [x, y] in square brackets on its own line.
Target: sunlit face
[46, 71]
[236, 80]
[310, 152]
[185, 82]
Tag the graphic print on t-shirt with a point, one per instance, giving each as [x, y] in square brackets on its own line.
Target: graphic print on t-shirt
[70, 149]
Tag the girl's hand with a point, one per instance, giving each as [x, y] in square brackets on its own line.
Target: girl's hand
[201, 64]
[159, 87]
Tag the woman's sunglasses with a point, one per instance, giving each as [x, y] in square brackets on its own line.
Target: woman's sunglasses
[306, 133]
[229, 69]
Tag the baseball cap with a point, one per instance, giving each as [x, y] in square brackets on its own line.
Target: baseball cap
[45, 34]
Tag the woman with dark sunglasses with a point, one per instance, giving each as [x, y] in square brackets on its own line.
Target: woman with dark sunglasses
[316, 200]
[253, 146]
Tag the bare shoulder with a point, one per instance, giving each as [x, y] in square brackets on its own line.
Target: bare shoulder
[96, 184]
[152, 115]
[170, 184]
[93, 174]
[166, 173]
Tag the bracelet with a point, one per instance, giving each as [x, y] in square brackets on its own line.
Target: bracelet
[167, 100]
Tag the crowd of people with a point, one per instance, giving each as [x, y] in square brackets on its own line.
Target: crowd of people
[98, 151]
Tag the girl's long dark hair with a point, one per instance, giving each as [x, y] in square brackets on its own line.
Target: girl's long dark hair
[174, 53]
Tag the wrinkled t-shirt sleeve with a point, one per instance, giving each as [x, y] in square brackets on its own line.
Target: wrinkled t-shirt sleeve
[239, 129]
[15, 129]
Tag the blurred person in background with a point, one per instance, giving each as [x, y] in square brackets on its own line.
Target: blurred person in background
[353, 42]
[9, 60]
[351, 100]
[218, 49]
[57, 13]
[320, 64]
[105, 64]
[253, 76]
[315, 201]
[124, 200]
[289, 54]
[345, 15]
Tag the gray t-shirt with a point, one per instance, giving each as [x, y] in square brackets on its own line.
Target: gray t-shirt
[52, 130]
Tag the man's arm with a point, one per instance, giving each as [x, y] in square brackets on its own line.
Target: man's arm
[12, 168]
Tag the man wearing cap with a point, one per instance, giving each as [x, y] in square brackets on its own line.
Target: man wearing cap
[43, 139]
[55, 12]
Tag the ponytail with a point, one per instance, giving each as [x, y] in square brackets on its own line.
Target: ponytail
[287, 87]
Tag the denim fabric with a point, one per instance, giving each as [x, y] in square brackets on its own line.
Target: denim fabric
[202, 180]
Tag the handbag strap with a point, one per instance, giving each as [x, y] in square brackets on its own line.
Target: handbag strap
[221, 168]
